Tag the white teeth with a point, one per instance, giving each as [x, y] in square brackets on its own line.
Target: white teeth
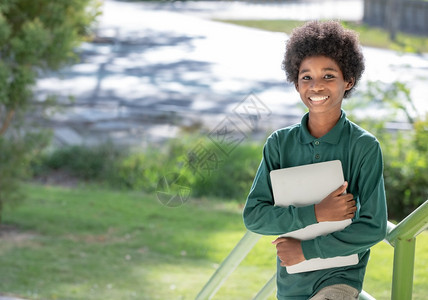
[318, 98]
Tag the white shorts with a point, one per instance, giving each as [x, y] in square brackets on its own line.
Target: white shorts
[337, 292]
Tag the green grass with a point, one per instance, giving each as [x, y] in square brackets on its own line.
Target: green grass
[89, 243]
[369, 36]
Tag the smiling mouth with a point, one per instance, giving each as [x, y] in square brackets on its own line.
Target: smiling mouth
[318, 98]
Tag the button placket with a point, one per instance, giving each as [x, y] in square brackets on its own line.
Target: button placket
[317, 155]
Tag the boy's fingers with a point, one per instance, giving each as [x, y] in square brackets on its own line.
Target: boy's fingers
[278, 241]
[340, 189]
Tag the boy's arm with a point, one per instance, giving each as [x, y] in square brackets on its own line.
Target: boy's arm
[370, 225]
[260, 214]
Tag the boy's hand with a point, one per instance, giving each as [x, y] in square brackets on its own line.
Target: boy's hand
[289, 251]
[336, 206]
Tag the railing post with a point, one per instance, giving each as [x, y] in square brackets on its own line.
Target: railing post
[402, 276]
[411, 226]
[402, 237]
[365, 296]
[228, 265]
[267, 289]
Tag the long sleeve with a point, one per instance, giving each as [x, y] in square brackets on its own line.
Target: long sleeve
[369, 225]
[260, 214]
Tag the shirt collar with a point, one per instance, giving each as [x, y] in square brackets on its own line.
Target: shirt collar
[332, 137]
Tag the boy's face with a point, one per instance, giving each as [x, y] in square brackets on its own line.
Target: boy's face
[321, 85]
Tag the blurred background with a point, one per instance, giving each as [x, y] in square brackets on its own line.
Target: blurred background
[130, 133]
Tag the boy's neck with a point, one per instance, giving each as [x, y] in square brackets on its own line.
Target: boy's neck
[320, 124]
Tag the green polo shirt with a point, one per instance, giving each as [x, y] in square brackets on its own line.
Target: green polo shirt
[362, 164]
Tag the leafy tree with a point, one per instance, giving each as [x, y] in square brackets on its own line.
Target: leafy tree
[35, 36]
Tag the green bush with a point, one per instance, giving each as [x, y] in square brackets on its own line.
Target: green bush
[213, 173]
[405, 152]
[233, 174]
[138, 171]
[406, 169]
[221, 175]
[87, 163]
[208, 171]
[142, 170]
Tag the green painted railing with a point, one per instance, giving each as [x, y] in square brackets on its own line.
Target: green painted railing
[401, 236]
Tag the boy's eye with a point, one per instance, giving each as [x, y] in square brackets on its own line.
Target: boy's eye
[328, 76]
[306, 77]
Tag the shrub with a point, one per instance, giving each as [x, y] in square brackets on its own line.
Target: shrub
[87, 163]
[406, 176]
[227, 176]
[405, 152]
[138, 171]
[230, 176]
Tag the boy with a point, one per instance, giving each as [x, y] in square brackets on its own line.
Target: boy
[325, 62]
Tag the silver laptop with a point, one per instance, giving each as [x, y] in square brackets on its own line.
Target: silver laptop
[306, 185]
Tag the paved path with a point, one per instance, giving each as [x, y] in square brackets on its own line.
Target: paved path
[157, 68]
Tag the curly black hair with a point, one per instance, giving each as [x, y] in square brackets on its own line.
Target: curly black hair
[328, 39]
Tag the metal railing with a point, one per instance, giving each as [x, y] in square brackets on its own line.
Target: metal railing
[401, 236]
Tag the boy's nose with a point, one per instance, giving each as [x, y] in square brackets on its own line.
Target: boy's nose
[317, 86]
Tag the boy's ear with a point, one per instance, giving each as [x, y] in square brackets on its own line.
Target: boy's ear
[296, 85]
[350, 84]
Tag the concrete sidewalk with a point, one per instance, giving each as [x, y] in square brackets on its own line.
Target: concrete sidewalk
[157, 68]
[350, 10]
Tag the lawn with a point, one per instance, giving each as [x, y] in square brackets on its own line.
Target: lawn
[92, 243]
[369, 36]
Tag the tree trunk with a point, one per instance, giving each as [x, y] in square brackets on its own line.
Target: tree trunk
[6, 122]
